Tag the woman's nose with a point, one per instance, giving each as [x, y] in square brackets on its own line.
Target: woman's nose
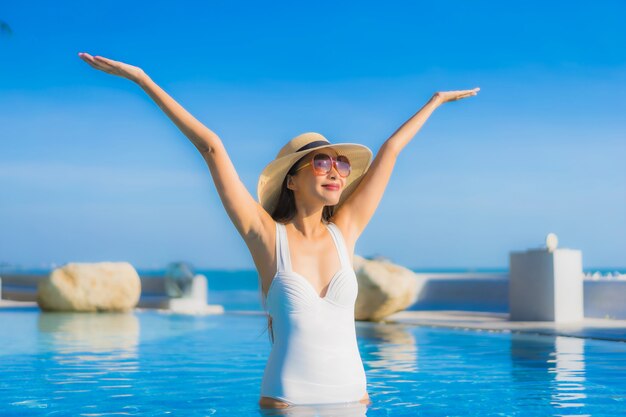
[333, 172]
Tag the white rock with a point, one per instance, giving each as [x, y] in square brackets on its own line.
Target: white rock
[384, 288]
[101, 286]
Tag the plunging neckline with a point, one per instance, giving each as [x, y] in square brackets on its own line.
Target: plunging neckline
[332, 280]
[330, 283]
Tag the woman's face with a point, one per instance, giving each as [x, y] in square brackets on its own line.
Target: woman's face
[313, 188]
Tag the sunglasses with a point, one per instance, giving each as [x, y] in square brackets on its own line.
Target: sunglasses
[322, 164]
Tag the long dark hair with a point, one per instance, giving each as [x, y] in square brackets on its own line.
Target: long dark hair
[285, 210]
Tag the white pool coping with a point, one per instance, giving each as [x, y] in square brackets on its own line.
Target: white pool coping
[589, 328]
[594, 328]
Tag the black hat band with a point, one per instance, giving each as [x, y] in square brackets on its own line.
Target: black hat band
[315, 144]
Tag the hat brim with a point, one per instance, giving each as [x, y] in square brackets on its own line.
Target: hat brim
[273, 175]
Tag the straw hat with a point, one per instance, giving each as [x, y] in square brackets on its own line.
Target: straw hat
[271, 179]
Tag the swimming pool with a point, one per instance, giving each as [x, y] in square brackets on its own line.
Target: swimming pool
[148, 363]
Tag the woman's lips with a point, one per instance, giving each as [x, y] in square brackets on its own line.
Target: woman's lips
[331, 187]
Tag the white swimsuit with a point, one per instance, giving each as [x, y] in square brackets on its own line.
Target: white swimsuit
[315, 358]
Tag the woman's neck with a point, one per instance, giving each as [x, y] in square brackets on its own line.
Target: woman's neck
[309, 226]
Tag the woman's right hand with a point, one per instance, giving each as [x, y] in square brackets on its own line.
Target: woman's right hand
[113, 67]
[446, 96]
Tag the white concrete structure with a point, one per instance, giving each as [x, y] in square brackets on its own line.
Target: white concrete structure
[197, 301]
[546, 284]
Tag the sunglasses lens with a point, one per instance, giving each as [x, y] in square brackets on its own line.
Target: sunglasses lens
[343, 166]
[322, 163]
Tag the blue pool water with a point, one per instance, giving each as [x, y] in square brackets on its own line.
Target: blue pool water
[148, 363]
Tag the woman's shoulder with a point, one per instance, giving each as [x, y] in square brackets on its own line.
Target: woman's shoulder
[344, 229]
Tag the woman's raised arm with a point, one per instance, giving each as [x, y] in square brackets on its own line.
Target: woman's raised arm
[355, 213]
[248, 216]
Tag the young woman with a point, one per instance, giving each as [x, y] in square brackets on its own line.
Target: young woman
[315, 199]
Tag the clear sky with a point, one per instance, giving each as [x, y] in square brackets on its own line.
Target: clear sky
[92, 170]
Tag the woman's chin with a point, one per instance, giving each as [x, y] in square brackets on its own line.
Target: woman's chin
[331, 198]
[331, 202]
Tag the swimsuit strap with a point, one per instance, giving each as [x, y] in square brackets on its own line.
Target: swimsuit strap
[344, 257]
[283, 257]
[283, 260]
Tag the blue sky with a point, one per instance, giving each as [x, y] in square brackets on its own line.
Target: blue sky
[92, 170]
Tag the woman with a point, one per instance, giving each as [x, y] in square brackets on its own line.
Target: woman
[315, 200]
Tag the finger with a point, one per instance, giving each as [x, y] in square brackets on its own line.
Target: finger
[464, 92]
[103, 64]
[105, 60]
[99, 65]
[89, 61]
[86, 57]
[109, 64]
[92, 62]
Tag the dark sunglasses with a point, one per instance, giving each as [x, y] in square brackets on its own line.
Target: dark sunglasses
[322, 164]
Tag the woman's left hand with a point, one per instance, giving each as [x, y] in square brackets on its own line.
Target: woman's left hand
[446, 96]
[110, 66]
